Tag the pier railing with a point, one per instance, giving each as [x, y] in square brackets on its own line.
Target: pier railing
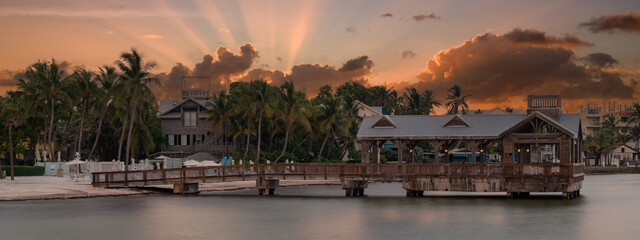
[373, 172]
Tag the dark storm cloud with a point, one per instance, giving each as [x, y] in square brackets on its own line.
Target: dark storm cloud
[599, 60]
[351, 29]
[386, 15]
[494, 68]
[357, 64]
[535, 37]
[629, 22]
[408, 54]
[422, 17]
[221, 69]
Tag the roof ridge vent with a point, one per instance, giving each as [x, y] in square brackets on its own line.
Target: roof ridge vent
[384, 122]
[456, 121]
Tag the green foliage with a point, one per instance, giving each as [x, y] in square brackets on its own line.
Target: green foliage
[24, 170]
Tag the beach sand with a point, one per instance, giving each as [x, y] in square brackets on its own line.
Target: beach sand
[49, 187]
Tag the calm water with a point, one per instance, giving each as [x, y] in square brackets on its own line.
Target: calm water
[608, 209]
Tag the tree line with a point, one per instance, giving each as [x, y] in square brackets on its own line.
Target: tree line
[112, 114]
[601, 144]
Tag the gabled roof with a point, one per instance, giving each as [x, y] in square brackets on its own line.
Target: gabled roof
[545, 118]
[433, 126]
[164, 105]
[376, 110]
[624, 144]
[456, 121]
[384, 122]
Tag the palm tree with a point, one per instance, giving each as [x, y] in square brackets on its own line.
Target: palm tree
[413, 101]
[457, 100]
[634, 133]
[635, 114]
[333, 120]
[294, 108]
[219, 114]
[88, 89]
[135, 77]
[261, 96]
[107, 78]
[48, 79]
[10, 115]
[430, 101]
[383, 96]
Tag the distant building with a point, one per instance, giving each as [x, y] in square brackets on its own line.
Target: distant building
[186, 126]
[622, 154]
[593, 115]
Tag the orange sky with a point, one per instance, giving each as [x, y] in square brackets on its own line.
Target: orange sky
[290, 37]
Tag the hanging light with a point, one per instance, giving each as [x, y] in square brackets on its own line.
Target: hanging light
[410, 150]
[481, 150]
[527, 150]
[518, 149]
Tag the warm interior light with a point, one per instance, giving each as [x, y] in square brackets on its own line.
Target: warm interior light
[527, 150]
[518, 149]
[445, 150]
[481, 150]
[410, 150]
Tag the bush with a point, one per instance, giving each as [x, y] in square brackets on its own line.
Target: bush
[24, 170]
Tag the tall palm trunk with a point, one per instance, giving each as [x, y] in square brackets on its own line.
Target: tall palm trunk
[11, 149]
[286, 141]
[259, 135]
[79, 144]
[133, 118]
[95, 143]
[63, 141]
[226, 145]
[246, 150]
[322, 147]
[124, 127]
[50, 141]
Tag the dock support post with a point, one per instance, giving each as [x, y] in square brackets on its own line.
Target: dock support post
[267, 185]
[185, 188]
[354, 187]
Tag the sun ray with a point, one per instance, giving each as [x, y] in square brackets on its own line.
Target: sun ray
[188, 32]
[212, 13]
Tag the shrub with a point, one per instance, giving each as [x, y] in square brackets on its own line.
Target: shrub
[24, 170]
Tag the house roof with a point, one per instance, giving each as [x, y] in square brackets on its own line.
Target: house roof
[375, 109]
[433, 126]
[624, 144]
[166, 106]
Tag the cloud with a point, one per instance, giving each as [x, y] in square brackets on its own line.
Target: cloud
[153, 36]
[629, 22]
[351, 29]
[386, 15]
[279, 59]
[422, 17]
[224, 30]
[9, 78]
[408, 54]
[310, 77]
[496, 69]
[535, 37]
[222, 69]
[599, 60]
[110, 32]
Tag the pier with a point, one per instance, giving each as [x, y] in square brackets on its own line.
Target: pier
[516, 180]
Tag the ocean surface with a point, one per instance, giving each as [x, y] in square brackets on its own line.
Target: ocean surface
[609, 208]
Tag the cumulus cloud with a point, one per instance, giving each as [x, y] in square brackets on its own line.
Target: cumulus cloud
[408, 54]
[153, 36]
[310, 77]
[422, 17]
[222, 69]
[351, 29]
[494, 68]
[629, 22]
[386, 15]
[535, 37]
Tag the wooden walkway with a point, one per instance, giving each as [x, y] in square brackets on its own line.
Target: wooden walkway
[481, 177]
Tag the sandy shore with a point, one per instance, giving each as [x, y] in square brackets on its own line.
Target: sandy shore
[46, 187]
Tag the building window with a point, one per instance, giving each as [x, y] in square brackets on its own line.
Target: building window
[622, 150]
[171, 139]
[183, 139]
[190, 118]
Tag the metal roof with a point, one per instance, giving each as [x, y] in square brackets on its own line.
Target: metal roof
[432, 126]
[168, 105]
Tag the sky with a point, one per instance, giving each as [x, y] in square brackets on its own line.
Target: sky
[498, 51]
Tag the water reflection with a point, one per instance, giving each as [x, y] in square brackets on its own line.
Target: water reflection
[606, 210]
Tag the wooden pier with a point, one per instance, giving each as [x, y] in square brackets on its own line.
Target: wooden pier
[518, 179]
